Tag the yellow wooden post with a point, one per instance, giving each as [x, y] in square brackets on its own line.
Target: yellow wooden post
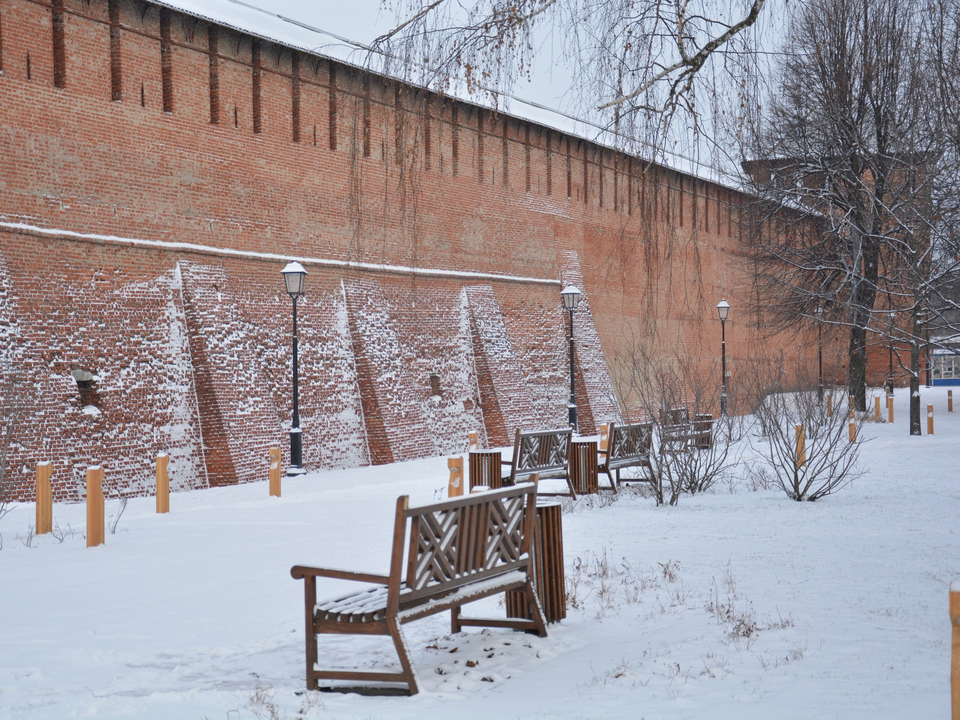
[955, 658]
[852, 404]
[44, 498]
[876, 408]
[949, 400]
[929, 419]
[455, 486]
[830, 405]
[94, 506]
[604, 436]
[274, 472]
[890, 409]
[163, 483]
[474, 441]
[801, 448]
[853, 426]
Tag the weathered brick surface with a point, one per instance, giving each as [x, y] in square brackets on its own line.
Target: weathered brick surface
[386, 189]
[503, 387]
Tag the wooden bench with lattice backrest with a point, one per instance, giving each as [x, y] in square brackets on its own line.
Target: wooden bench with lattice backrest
[678, 434]
[628, 446]
[544, 453]
[444, 556]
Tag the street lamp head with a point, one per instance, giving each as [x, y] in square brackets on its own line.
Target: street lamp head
[571, 297]
[819, 312]
[294, 276]
[723, 309]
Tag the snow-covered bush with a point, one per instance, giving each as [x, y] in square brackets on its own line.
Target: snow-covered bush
[830, 459]
[654, 384]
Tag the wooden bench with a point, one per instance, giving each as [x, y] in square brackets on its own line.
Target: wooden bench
[627, 446]
[458, 551]
[545, 453]
[679, 435]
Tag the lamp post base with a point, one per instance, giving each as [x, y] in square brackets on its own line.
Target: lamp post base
[296, 453]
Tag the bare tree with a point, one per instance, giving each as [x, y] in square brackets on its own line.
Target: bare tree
[829, 459]
[656, 385]
[848, 147]
[636, 63]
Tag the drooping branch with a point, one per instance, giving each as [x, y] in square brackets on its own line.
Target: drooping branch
[690, 64]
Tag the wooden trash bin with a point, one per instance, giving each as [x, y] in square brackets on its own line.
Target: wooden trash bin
[583, 467]
[485, 469]
[547, 567]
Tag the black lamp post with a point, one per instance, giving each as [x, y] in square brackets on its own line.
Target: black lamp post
[723, 309]
[820, 354]
[890, 376]
[294, 276]
[571, 298]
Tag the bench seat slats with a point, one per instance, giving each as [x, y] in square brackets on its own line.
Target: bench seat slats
[370, 605]
[365, 606]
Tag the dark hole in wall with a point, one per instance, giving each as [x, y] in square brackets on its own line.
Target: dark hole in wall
[435, 384]
[87, 389]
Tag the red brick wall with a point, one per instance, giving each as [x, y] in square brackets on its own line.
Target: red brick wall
[191, 344]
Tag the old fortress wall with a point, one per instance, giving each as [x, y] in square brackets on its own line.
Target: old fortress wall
[157, 171]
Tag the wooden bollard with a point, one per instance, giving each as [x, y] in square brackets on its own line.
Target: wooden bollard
[929, 419]
[94, 506]
[44, 498]
[853, 426]
[890, 409]
[274, 472]
[955, 656]
[473, 440]
[949, 400]
[876, 409]
[829, 405]
[163, 483]
[852, 405]
[455, 486]
[604, 437]
[801, 448]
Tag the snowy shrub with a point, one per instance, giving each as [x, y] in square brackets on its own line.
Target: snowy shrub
[830, 460]
[654, 384]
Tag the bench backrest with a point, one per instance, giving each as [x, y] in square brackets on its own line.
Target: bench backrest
[674, 416]
[630, 442]
[462, 541]
[674, 430]
[543, 453]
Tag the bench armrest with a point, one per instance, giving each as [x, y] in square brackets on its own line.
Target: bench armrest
[304, 571]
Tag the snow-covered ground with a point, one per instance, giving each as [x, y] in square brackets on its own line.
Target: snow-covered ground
[735, 604]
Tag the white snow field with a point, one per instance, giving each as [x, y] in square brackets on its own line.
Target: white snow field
[735, 604]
